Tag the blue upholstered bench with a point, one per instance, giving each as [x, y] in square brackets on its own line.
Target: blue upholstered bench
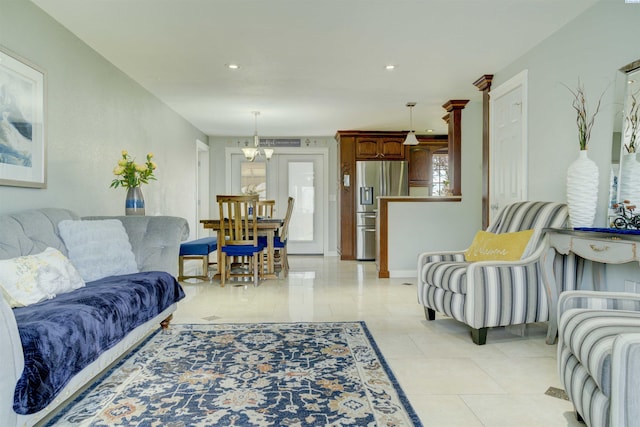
[197, 249]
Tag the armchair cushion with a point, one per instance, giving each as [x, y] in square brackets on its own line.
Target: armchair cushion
[488, 246]
[448, 275]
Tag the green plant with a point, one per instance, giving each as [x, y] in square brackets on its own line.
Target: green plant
[583, 119]
[130, 174]
[632, 120]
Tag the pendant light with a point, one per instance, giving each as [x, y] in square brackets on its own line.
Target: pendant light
[251, 153]
[411, 136]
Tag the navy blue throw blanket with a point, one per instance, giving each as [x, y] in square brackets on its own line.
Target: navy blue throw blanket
[63, 335]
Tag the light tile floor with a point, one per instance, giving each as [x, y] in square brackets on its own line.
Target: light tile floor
[449, 380]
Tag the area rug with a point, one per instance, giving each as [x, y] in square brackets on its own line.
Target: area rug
[273, 374]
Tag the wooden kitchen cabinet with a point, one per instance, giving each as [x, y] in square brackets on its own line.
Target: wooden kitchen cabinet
[375, 147]
[420, 159]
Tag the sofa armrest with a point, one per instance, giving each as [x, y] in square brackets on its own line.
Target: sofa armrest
[155, 240]
[12, 361]
[625, 380]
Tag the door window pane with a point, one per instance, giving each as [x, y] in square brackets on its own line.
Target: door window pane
[253, 178]
[302, 189]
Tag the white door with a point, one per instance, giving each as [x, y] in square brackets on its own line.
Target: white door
[299, 173]
[508, 143]
[202, 184]
[301, 176]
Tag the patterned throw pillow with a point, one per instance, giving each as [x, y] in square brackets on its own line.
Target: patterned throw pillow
[498, 247]
[98, 248]
[33, 278]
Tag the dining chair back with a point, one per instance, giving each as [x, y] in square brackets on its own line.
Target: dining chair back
[280, 241]
[266, 208]
[239, 226]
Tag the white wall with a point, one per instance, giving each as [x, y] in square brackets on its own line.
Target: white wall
[94, 112]
[591, 48]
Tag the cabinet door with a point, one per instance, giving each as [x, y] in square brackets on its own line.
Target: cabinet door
[391, 148]
[419, 166]
[367, 148]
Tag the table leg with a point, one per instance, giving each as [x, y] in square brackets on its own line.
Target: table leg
[551, 286]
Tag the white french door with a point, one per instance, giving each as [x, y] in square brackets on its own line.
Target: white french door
[301, 176]
[299, 173]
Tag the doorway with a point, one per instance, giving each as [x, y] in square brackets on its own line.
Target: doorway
[291, 172]
[202, 187]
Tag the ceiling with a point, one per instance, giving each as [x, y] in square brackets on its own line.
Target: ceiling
[311, 67]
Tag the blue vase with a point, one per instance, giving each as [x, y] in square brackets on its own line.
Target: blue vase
[134, 203]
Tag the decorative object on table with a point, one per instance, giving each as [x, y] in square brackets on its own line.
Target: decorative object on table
[264, 374]
[132, 175]
[629, 165]
[22, 122]
[625, 219]
[582, 174]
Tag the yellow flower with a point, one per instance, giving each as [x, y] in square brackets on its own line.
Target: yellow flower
[131, 174]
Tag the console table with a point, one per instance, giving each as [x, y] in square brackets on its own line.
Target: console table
[601, 246]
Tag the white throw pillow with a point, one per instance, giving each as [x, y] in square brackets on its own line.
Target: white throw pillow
[33, 278]
[98, 248]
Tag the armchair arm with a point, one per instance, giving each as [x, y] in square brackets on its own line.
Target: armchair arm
[625, 377]
[492, 285]
[427, 257]
[598, 299]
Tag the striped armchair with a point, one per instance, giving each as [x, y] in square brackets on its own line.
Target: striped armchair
[486, 294]
[598, 354]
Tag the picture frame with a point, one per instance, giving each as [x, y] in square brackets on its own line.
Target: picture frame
[23, 147]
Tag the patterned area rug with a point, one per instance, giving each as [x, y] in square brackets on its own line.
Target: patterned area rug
[280, 374]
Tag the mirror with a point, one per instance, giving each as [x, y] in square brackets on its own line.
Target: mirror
[625, 168]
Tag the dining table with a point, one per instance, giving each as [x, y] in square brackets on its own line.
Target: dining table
[266, 227]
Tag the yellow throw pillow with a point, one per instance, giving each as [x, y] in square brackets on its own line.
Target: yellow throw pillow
[498, 247]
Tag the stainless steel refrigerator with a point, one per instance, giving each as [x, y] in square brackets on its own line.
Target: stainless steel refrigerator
[375, 179]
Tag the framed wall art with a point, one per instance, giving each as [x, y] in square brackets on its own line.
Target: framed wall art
[23, 148]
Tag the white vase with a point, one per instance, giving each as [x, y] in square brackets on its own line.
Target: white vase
[630, 179]
[582, 191]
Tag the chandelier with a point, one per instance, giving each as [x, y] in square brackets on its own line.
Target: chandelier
[252, 153]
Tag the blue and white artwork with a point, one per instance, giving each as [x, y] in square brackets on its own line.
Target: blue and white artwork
[22, 143]
[16, 129]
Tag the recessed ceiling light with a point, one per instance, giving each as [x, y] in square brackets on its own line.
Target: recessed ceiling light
[233, 66]
[390, 67]
[429, 130]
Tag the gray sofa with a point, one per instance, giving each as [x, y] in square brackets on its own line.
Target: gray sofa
[155, 243]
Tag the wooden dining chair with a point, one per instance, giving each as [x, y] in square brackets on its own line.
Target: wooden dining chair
[266, 208]
[240, 231]
[280, 239]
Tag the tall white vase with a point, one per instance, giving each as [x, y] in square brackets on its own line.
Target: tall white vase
[630, 178]
[582, 191]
